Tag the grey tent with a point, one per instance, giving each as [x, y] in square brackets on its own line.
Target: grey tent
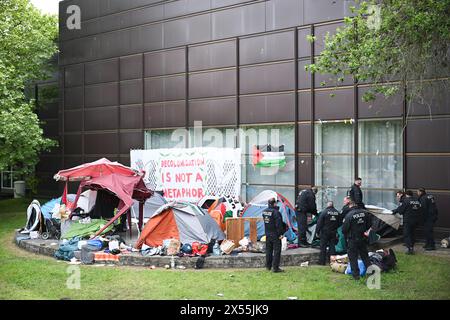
[151, 205]
[180, 220]
[384, 222]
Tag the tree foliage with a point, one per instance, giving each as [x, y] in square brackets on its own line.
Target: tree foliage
[27, 42]
[393, 44]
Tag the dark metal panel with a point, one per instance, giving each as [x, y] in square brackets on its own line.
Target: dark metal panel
[267, 78]
[212, 84]
[339, 106]
[50, 127]
[165, 62]
[73, 120]
[74, 75]
[327, 80]
[428, 135]
[304, 138]
[270, 108]
[304, 106]
[304, 77]
[436, 102]
[73, 98]
[131, 117]
[48, 111]
[443, 203]
[238, 21]
[130, 140]
[213, 112]
[49, 164]
[326, 10]
[304, 170]
[187, 30]
[169, 114]
[429, 172]
[131, 91]
[272, 47]
[101, 119]
[102, 143]
[72, 161]
[224, 3]
[165, 89]
[145, 38]
[321, 31]
[284, 14]
[72, 144]
[380, 107]
[101, 71]
[214, 55]
[125, 160]
[131, 67]
[100, 95]
[304, 46]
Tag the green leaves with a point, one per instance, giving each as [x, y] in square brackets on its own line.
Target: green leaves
[27, 42]
[393, 44]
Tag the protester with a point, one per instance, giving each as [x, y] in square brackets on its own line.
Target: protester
[327, 225]
[274, 229]
[430, 214]
[411, 210]
[355, 226]
[355, 193]
[306, 203]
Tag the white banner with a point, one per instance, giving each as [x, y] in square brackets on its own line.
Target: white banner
[190, 174]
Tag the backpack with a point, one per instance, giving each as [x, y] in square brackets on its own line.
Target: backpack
[200, 262]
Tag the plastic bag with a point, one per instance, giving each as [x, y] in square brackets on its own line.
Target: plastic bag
[284, 244]
[227, 246]
[361, 266]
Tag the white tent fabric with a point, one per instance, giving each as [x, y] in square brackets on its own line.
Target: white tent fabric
[385, 215]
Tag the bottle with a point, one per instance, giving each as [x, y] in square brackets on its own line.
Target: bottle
[172, 262]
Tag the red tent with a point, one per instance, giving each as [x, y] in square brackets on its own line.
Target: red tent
[126, 188]
[99, 168]
[94, 169]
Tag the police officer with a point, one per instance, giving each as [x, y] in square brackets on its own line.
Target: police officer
[430, 214]
[346, 207]
[327, 225]
[274, 228]
[411, 210]
[355, 193]
[355, 226]
[306, 203]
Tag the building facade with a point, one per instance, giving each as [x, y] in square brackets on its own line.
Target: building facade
[140, 70]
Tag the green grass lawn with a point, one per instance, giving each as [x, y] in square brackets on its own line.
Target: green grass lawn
[28, 276]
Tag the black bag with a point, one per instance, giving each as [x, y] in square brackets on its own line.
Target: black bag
[200, 262]
[211, 246]
[389, 261]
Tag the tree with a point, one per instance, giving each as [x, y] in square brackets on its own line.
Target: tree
[394, 44]
[27, 42]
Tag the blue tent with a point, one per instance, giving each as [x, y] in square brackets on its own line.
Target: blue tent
[258, 204]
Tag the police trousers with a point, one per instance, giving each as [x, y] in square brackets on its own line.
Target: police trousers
[357, 248]
[409, 231]
[327, 239]
[302, 223]
[273, 253]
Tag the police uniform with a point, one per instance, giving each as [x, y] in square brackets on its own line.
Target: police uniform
[274, 228]
[355, 224]
[306, 203]
[356, 195]
[411, 210]
[430, 214]
[327, 225]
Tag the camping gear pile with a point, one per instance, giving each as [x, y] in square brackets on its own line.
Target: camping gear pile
[385, 259]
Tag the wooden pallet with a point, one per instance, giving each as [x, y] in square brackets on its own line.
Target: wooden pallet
[235, 229]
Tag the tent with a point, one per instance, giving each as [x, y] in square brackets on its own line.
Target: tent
[258, 204]
[151, 205]
[384, 222]
[125, 188]
[179, 220]
[221, 208]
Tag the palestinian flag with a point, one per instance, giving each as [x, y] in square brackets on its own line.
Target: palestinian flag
[268, 156]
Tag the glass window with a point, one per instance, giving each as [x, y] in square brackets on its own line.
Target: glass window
[334, 154]
[334, 194]
[161, 139]
[380, 160]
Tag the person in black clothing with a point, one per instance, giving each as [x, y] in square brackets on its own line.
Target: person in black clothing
[327, 225]
[346, 208]
[306, 203]
[355, 193]
[430, 214]
[274, 229]
[411, 210]
[355, 226]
